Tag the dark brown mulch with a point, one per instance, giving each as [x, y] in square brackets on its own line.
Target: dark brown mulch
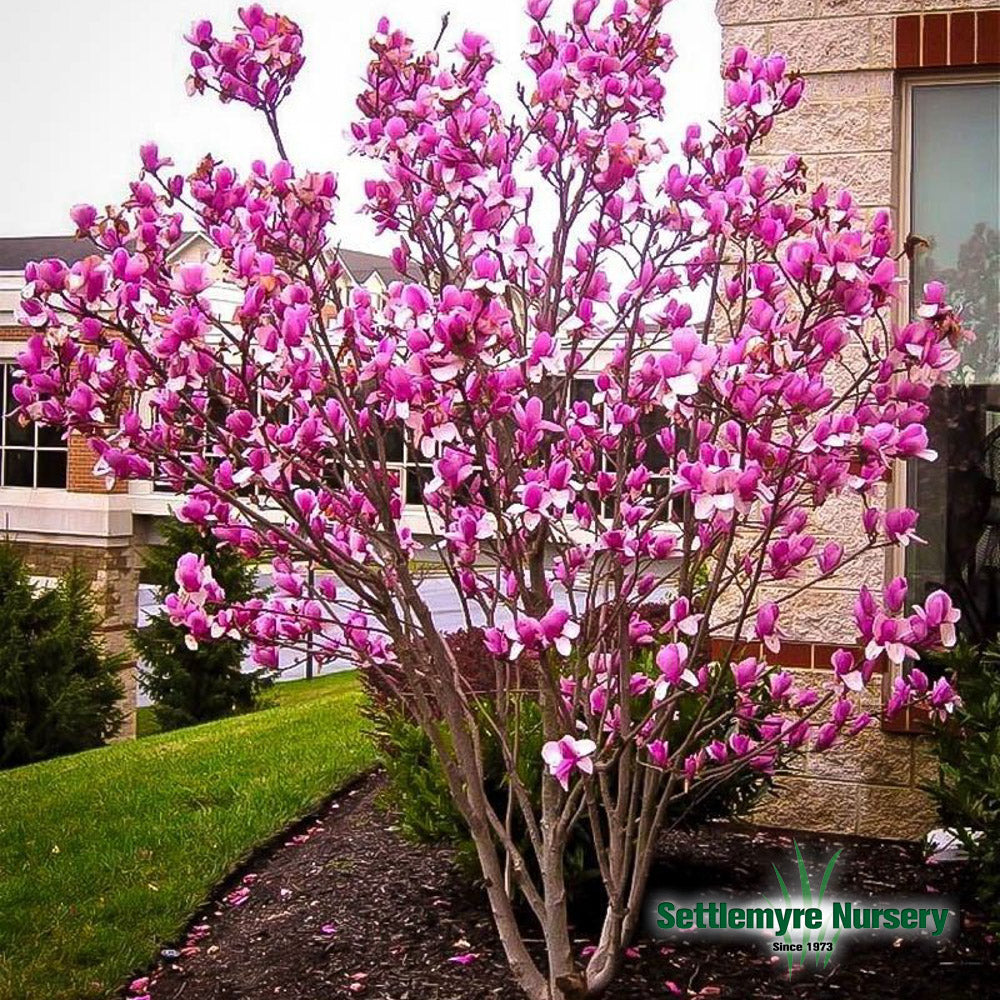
[345, 907]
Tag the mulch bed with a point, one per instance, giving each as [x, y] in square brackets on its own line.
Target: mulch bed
[342, 906]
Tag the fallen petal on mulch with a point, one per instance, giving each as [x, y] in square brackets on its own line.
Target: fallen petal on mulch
[409, 926]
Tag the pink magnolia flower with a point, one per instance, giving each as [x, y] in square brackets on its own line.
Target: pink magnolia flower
[659, 752]
[191, 279]
[826, 736]
[845, 670]
[84, 216]
[780, 685]
[567, 755]
[943, 698]
[937, 614]
[671, 659]
[891, 636]
[830, 557]
[554, 628]
[766, 627]
[900, 525]
[747, 672]
[683, 619]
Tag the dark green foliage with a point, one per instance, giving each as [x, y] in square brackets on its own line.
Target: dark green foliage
[58, 689]
[968, 750]
[189, 686]
[418, 792]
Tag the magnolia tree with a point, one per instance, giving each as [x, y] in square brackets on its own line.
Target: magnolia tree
[535, 244]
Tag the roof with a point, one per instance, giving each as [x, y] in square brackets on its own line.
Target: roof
[16, 251]
[361, 265]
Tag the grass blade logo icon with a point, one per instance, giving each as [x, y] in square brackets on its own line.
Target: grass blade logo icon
[820, 957]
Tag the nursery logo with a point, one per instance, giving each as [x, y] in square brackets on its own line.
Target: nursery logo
[804, 928]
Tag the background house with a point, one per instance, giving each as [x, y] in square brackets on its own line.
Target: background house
[902, 107]
[55, 511]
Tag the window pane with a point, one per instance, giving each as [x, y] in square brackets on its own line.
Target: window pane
[582, 390]
[14, 433]
[655, 458]
[17, 467]
[955, 206]
[50, 437]
[394, 445]
[52, 469]
[417, 478]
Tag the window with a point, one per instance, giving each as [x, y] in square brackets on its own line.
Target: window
[31, 455]
[414, 469]
[655, 458]
[953, 173]
[169, 477]
[197, 443]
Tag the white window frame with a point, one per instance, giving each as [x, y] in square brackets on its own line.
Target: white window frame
[34, 448]
[896, 557]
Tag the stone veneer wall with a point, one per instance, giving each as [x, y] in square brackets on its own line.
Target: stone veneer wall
[111, 560]
[868, 785]
[114, 571]
[847, 129]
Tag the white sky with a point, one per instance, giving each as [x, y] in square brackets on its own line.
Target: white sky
[88, 82]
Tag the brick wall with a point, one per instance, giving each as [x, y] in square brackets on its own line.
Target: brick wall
[869, 785]
[851, 52]
[953, 38]
[80, 476]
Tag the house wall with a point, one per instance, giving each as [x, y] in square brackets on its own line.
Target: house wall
[847, 129]
[103, 529]
[86, 525]
[114, 574]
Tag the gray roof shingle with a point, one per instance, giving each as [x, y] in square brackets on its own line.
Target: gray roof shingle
[16, 251]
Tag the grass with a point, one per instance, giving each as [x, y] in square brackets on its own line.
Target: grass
[105, 854]
[283, 695]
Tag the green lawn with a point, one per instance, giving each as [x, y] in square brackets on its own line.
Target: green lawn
[286, 694]
[105, 854]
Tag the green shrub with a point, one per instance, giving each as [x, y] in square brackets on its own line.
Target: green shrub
[968, 753]
[189, 686]
[58, 689]
[418, 792]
